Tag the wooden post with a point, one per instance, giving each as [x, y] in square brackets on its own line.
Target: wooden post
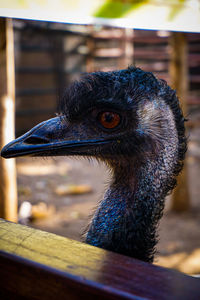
[8, 190]
[179, 81]
[90, 66]
[128, 48]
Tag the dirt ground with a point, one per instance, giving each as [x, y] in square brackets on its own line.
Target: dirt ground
[40, 181]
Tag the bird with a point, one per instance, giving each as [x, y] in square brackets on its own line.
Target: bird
[132, 121]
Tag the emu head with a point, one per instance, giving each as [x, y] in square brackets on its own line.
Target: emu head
[113, 116]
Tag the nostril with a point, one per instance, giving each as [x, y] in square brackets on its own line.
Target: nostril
[33, 140]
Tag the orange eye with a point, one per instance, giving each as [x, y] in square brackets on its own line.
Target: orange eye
[109, 119]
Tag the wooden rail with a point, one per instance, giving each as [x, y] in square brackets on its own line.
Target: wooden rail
[38, 265]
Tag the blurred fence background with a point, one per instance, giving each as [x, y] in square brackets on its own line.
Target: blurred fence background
[48, 56]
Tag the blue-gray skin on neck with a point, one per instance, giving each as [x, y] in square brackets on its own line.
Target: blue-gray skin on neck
[127, 218]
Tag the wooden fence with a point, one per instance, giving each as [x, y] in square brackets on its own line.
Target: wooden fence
[38, 265]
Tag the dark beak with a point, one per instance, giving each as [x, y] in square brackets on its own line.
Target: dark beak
[51, 138]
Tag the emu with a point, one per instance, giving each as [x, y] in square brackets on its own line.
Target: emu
[132, 121]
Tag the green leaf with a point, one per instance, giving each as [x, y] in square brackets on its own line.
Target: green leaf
[116, 9]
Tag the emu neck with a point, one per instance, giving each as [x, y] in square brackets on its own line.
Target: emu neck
[127, 218]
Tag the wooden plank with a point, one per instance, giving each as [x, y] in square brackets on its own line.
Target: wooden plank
[179, 81]
[193, 100]
[194, 78]
[118, 35]
[193, 124]
[156, 66]
[34, 70]
[32, 59]
[39, 81]
[33, 101]
[35, 91]
[38, 265]
[35, 112]
[108, 52]
[8, 190]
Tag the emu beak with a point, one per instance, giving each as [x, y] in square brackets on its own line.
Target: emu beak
[50, 138]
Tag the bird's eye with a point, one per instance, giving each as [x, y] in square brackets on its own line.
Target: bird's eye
[109, 119]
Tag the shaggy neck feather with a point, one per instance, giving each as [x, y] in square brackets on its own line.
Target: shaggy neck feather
[127, 218]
